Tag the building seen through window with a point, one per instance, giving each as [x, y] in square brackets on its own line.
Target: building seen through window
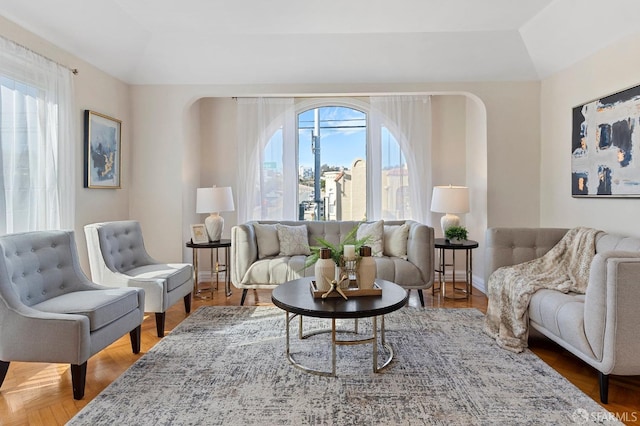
[332, 151]
[338, 167]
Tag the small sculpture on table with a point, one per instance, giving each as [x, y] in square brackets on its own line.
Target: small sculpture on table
[335, 286]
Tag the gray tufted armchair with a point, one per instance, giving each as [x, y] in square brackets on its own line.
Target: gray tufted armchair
[51, 312]
[118, 258]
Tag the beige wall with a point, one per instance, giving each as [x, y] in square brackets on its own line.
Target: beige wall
[449, 127]
[170, 147]
[167, 144]
[609, 71]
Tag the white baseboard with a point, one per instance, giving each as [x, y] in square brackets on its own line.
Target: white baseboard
[476, 281]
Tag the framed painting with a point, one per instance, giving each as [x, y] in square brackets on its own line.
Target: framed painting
[102, 135]
[199, 234]
[605, 146]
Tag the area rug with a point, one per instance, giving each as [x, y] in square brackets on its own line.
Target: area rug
[227, 366]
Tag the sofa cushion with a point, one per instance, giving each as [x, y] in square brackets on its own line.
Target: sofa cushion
[273, 271]
[375, 232]
[294, 240]
[101, 306]
[267, 240]
[562, 315]
[175, 274]
[395, 240]
[399, 271]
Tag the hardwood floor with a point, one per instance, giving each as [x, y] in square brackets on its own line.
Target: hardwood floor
[40, 394]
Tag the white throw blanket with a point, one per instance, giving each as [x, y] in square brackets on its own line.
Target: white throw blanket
[564, 268]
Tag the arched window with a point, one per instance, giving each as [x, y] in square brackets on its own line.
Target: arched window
[335, 159]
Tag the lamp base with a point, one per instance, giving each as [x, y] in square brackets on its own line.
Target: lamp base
[447, 221]
[214, 224]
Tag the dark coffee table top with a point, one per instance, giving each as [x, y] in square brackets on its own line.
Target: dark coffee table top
[295, 296]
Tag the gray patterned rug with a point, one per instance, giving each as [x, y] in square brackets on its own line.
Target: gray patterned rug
[227, 366]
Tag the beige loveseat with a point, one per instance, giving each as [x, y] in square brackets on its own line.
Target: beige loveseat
[257, 261]
[599, 327]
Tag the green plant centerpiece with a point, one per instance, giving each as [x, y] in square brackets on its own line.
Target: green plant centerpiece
[456, 234]
[337, 251]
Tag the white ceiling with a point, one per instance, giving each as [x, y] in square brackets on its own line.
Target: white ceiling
[327, 41]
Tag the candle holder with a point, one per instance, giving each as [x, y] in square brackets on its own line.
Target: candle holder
[349, 267]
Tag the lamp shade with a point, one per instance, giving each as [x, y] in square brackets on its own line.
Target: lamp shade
[214, 199]
[450, 199]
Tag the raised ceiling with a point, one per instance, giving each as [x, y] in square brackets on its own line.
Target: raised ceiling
[328, 41]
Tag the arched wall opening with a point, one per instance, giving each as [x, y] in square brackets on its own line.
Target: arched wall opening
[459, 136]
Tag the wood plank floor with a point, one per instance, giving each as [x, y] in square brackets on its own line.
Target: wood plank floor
[40, 394]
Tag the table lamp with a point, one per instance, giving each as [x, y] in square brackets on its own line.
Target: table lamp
[450, 200]
[214, 200]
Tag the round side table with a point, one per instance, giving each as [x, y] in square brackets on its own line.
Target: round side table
[442, 245]
[216, 268]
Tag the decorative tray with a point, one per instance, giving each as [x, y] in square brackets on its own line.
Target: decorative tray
[349, 291]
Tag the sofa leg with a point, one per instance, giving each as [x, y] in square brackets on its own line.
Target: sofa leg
[134, 335]
[78, 379]
[160, 323]
[4, 367]
[421, 295]
[603, 380]
[187, 303]
[244, 296]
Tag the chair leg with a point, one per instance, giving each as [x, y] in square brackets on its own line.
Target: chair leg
[421, 297]
[187, 303]
[78, 379]
[135, 339]
[160, 323]
[244, 296]
[603, 380]
[4, 367]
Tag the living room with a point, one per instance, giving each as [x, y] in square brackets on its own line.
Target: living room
[179, 136]
[524, 119]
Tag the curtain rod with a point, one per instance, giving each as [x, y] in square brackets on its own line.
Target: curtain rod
[74, 71]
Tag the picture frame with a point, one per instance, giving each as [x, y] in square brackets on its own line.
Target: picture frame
[102, 151]
[199, 234]
[605, 146]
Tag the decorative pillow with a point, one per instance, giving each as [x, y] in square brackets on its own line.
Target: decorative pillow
[267, 238]
[293, 240]
[375, 232]
[395, 240]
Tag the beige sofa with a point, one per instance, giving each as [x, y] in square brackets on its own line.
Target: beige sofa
[599, 327]
[252, 269]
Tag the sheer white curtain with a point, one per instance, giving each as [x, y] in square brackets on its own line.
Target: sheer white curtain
[408, 119]
[37, 161]
[267, 173]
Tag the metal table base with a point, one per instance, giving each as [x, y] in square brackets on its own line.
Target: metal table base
[334, 342]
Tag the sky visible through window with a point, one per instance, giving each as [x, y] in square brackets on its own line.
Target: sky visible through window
[341, 191]
[343, 139]
[343, 136]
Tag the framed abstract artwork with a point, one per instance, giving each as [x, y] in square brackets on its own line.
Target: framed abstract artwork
[605, 146]
[102, 136]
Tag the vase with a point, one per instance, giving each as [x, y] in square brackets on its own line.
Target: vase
[366, 269]
[324, 270]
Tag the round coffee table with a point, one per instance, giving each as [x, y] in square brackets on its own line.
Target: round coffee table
[296, 299]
